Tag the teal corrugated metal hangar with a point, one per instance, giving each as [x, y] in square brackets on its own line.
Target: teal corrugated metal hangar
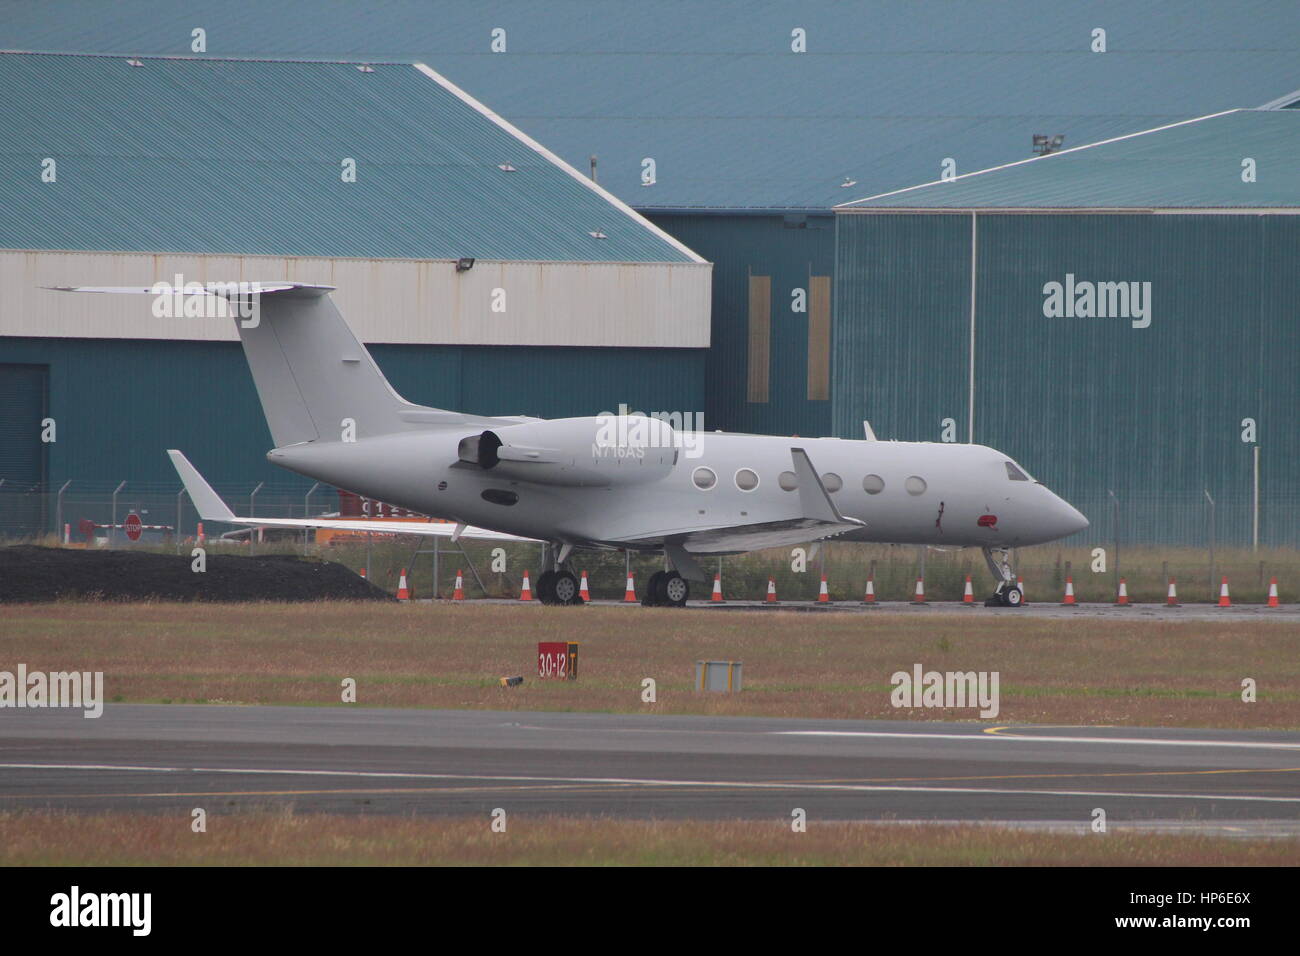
[760, 117]
[1120, 317]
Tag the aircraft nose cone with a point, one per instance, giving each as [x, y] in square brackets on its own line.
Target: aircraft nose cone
[1068, 518]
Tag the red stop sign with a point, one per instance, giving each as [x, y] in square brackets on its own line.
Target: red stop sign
[133, 528]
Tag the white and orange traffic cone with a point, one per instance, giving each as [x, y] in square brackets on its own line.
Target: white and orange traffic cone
[629, 593]
[362, 572]
[1171, 599]
[1122, 599]
[458, 593]
[1224, 599]
[403, 592]
[717, 590]
[968, 596]
[1020, 583]
[526, 593]
[869, 598]
[584, 591]
[1069, 600]
[919, 596]
[823, 596]
[771, 591]
[1272, 593]
[202, 537]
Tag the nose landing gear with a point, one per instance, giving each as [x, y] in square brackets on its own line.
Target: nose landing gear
[1006, 594]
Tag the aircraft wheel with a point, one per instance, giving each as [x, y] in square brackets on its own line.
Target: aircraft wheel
[674, 590]
[1013, 597]
[564, 589]
[546, 588]
[652, 597]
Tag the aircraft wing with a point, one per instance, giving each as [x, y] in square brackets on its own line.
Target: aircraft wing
[820, 519]
[211, 508]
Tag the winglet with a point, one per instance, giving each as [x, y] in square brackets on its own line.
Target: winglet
[208, 502]
[814, 500]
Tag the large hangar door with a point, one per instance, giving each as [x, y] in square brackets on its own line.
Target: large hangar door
[24, 400]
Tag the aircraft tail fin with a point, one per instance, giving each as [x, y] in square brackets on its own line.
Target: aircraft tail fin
[315, 380]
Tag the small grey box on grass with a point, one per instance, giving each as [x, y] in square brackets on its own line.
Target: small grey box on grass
[718, 675]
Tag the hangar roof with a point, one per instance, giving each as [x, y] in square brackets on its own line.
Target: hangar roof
[1197, 164]
[713, 93]
[249, 157]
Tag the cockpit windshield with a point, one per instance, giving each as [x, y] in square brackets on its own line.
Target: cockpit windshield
[1015, 474]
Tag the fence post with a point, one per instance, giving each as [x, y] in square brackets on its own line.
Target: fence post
[306, 513]
[1116, 535]
[1212, 530]
[252, 512]
[179, 505]
[112, 531]
[58, 512]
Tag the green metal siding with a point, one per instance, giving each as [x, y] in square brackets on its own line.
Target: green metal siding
[1088, 405]
[788, 251]
[120, 404]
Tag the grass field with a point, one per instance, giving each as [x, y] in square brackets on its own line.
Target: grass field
[284, 839]
[1156, 673]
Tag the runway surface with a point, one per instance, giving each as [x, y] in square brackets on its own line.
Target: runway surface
[170, 758]
[1129, 612]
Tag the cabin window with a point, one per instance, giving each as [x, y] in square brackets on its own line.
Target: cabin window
[746, 480]
[915, 485]
[832, 481]
[704, 478]
[787, 480]
[873, 484]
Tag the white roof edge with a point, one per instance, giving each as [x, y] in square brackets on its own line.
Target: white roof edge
[1038, 159]
[545, 153]
[1282, 102]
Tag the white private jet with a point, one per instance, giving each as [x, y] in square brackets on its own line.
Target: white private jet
[624, 482]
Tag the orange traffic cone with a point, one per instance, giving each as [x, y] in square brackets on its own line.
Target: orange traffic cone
[526, 594]
[968, 596]
[203, 539]
[771, 591]
[1122, 599]
[583, 591]
[1069, 600]
[1020, 583]
[1171, 600]
[823, 596]
[629, 595]
[362, 572]
[459, 593]
[869, 598]
[403, 592]
[1224, 599]
[919, 597]
[1272, 593]
[717, 590]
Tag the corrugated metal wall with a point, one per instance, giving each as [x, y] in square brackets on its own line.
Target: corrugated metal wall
[120, 404]
[1088, 405]
[611, 304]
[790, 251]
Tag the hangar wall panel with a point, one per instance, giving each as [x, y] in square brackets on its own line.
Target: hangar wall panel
[616, 305]
[1088, 405]
[790, 251]
[120, 403]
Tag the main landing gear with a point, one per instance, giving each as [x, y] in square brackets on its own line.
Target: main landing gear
[666, 589]
[557, 585]
[1007, 594]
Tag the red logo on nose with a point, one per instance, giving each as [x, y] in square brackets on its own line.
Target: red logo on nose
[988, 521]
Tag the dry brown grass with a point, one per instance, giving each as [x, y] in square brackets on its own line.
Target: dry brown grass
[283, 839]
[1158, 673]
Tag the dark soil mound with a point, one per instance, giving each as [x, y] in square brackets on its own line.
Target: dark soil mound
[29, 573]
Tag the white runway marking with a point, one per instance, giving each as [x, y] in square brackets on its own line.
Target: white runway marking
[634, 781]
[1251, 744]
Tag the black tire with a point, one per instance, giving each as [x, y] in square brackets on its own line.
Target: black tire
[674, 591]
[564, 589]
[546, 587]
[652, 598]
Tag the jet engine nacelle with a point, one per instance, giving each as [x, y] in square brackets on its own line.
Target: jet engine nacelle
[602, 450]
